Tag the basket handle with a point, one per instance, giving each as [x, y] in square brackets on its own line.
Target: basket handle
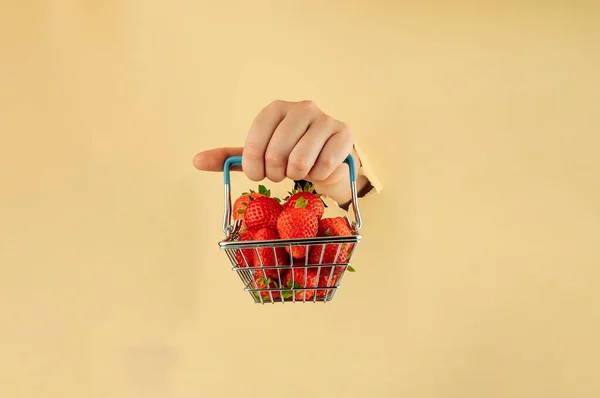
[228, 228]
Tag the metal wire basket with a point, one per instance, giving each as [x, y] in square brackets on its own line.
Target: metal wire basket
[291, 279]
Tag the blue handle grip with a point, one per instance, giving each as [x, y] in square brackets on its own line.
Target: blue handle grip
[237, 161]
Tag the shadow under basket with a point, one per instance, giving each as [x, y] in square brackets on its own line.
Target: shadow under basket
[305, 270]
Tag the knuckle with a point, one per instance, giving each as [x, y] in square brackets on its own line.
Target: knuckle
[307, 106]
[328, 163]
[274, 159]
[253, 150]
[344, 129]
[326, 120]
[274, 105]
[299, 163]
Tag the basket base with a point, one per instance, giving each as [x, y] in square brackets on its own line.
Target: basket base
[311, 295]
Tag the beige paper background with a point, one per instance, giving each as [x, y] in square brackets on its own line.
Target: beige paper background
[478, 273]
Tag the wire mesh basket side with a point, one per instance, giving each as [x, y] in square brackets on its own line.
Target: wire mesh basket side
[274, 272]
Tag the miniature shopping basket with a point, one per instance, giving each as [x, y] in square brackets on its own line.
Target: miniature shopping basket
[299, 287]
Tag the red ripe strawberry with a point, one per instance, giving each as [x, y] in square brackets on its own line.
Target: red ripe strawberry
[266, 283]
[329, 253]
[298, 281]
[239, 208]
[262, 212]
[268, 256]
[315, 204]
[326, 280]
[245, 254]
[295, 278]
[297, 222]
[241, 203]
[337, 226]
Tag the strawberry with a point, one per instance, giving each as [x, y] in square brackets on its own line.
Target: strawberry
[328, 254]
[245, 254]
[337, 226]
[266, 283]
[241, 203]
[315, 204]
[297, 222]
[299, 273]
[262, 212]
[294, 278]
[326, 280]
[268, 256]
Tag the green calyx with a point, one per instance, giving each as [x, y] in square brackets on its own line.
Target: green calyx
[301, 203]
[308, 187]
[262, 190]
[266, 283]
[286, 294]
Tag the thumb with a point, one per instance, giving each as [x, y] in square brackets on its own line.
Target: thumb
[213, 159]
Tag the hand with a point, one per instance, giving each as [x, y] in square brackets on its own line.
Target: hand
[295, 140]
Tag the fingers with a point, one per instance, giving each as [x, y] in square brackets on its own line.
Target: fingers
[307, 150]
[336, 149]
[213, 159]
[285, 138]
[259, 135]
[288, 139]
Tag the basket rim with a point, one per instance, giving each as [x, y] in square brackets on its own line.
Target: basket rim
[287, 266]
[317, 240]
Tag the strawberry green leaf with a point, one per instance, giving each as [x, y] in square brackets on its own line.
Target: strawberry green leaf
[296, 285]
[245, 193]
[263, 190]
[286, 294]
[241, 211]
[301, 203]
[351, 269]
[278, 200]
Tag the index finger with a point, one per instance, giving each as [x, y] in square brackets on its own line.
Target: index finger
[213, 159]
